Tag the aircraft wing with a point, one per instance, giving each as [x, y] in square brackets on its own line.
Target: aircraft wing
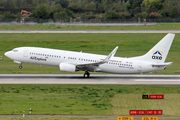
[94, 66]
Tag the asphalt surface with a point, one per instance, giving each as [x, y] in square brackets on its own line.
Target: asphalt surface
[89, 31]
[94, 79]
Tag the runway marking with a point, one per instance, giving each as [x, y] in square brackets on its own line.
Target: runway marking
[95, 79]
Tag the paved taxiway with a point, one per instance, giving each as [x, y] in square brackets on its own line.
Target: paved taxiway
[94, 79]
[89, 31]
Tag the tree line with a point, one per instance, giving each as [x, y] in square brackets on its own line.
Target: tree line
[90, 9]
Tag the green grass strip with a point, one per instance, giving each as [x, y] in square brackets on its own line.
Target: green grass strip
[86, 99]
[130, 45]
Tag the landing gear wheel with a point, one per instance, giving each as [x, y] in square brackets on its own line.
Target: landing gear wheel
[86, 74]
[20, 67]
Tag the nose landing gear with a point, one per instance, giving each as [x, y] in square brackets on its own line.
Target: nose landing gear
[86, 74]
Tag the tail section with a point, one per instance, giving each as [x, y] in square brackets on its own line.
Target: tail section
[160, 51]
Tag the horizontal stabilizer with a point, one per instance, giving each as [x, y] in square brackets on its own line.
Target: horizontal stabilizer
[162, 64]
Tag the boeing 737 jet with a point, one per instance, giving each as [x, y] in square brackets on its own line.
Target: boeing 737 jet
[68, 61]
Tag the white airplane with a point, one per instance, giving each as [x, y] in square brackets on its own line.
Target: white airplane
[69, 61]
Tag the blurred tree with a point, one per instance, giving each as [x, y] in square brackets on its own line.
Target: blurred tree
[138, 15]
[154, 15]
[18, 15]
[75, 6]
[107, 5]
[60, 15]
[83, 16]
[162, 13]
[9, 4]
[144, 15]
[169, 5]
[119, 6]
[65, 14]
[56, 8]
[88, 6]
[174, 12]
[69, 13]
[63, 3]
[8, 15]
[111, 15]
[100, 8]
[1, 4]
[165, 8]
[123, 15]
[152, 5]
[41, 11]
[134, 3]
[128, 5]
[136, 10]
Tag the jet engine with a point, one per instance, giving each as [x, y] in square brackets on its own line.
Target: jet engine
[67, 67]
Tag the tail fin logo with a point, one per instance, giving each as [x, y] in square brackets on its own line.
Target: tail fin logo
[157, 55]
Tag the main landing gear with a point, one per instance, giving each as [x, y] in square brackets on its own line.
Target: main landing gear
[20, 67]
[86, 74]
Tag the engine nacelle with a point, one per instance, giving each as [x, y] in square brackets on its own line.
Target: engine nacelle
[67, 67]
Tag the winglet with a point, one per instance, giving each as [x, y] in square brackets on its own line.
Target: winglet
[110, 55]
[94, 65]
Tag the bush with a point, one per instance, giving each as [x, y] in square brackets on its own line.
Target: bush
[41, 11]
[123, 15]
[144, 15]
[111, 15]
[154, 15]
[8, 15]
[174, 12]
[60, 15]
[141, 15]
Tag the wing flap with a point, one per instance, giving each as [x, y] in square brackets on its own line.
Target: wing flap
[94, 66]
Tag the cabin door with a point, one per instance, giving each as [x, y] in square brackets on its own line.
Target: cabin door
[25, 52]
[139, 66]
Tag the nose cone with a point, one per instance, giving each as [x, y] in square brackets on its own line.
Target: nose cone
[8, 54]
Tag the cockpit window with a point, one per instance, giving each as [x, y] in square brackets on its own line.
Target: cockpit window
[15, 50]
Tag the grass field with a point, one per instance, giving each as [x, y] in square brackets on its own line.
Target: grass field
[130, 45]
[86, 99]
[72, 118]
[159, 26]
[124, 102]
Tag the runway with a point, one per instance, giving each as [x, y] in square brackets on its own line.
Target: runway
[94, 79]
[89, 31]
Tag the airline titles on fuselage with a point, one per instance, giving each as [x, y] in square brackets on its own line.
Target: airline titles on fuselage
[38, 59]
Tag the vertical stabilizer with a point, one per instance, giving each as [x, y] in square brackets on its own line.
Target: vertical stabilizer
[160, 51]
